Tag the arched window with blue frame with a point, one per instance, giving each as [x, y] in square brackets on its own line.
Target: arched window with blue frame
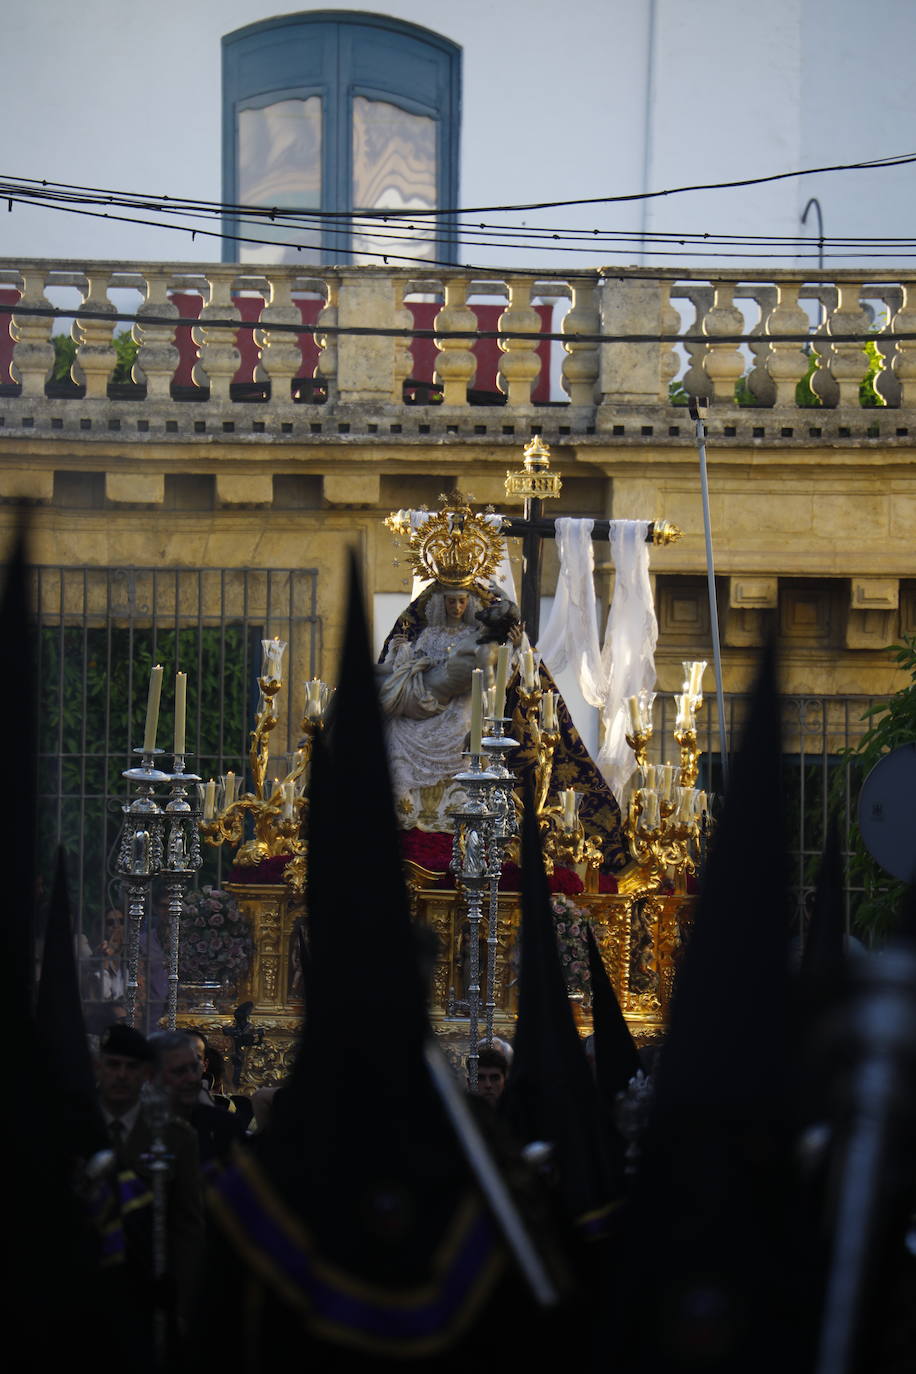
[340, 112]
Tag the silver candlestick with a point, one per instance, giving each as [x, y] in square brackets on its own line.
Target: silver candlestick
[139, 857]
[182, 860]
[469, 864]
[503, 826]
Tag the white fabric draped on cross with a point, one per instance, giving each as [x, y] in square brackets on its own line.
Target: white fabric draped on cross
[625, 665]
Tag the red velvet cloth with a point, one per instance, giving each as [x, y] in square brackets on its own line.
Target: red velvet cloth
[268, 871]
[433, 850]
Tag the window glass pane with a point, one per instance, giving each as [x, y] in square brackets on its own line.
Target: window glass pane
[279, 163]
[394, 167]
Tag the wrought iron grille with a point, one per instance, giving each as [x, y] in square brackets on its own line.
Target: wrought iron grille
[99, 630]
[819, 778]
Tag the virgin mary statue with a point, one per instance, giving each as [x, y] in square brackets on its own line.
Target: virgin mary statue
[425, 693]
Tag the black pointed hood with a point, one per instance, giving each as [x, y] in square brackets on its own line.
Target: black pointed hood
[551, 1094]
[715, 1287]
[823, 961]
[59, 1015]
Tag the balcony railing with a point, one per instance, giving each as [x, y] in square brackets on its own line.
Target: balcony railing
[604, 349]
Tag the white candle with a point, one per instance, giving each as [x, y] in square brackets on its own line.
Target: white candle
[476, 710]
[230, 789]
[502, 674]
[210, 800]
[272, 660]
[665, 780]
[568, 796]
[702, 803]
[549, 711]
[313, 699]
[693, 677]
[181, 699]
[152, 709]
[635, 715]
[526, 668]
[685, 718]
[649, 809]
[289, 797]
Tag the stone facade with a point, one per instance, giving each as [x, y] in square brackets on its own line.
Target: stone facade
[276, 449]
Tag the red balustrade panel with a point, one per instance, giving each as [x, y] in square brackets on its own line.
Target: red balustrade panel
[8, 296]
[486, 351]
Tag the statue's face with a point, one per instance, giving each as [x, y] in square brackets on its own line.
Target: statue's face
[456, 603]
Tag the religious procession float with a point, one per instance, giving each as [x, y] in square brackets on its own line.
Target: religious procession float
[474, 724]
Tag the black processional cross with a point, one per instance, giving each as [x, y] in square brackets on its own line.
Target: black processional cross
[536, 483]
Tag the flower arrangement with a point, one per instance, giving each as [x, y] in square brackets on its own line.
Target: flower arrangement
[570, 923]
[215, 944]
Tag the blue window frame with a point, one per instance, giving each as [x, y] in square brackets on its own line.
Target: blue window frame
[339, 111]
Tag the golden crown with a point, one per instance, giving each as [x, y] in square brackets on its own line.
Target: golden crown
[456, 547]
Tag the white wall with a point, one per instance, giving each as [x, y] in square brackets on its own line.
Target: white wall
[555, 99]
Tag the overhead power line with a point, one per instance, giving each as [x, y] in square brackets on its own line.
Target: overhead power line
[387, 255]
[898, 160]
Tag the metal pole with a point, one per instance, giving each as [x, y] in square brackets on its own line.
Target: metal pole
[697, 414]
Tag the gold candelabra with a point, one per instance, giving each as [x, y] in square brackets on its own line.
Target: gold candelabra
[275, 810]
[667, 816]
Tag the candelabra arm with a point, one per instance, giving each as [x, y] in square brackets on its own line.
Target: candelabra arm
[265, 721]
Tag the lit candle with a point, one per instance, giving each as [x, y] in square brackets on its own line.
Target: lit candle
[313, 699]
[230, 788]
[476, 710]
[685, 718]
[152, 709]
[502, 674]
[181, 699]
[210, 800]
[693, 678]
[549, 711]
[272, 659]
[526, 668]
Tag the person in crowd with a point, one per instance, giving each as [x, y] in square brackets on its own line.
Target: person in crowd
[492, 1069]
[177, 1066]
[122, 1069]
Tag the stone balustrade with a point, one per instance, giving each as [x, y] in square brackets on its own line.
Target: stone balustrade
[605, 353]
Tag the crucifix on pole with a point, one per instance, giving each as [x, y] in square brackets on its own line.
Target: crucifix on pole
[536, 484]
